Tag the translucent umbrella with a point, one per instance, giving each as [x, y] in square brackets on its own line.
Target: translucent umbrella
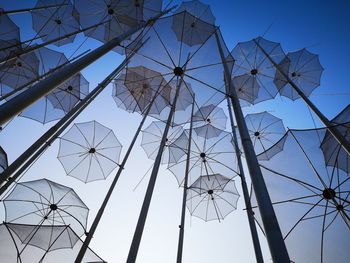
[209, 121]
[89, 151]
[152, 136]
[265, 130]
[198, 9]
[334, 154]
[212, 197]
[135, 89]
[57, 21]
[253, 74]
[9, 35]
[208, 156]
[43, 202]
[303, 68]
[3, 160]
[63, 244]
[311, 200]
[118, 15]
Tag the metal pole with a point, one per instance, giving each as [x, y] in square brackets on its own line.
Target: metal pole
[273, 232]
[250, 213]
[34, 151]
[184, 195]
[329, 126]
[152, 181]
[14, 91]
[19, 44]
[28, 97]
[19, 11]
[28, 49]
[99, 214]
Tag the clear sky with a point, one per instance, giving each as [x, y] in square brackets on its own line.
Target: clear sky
[321, 26]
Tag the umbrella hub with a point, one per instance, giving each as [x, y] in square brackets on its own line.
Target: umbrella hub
[340, 207]
[328, 193]
[178, 71]
[19, 64]
[210, 192]
[110, 11]
[193, 24]
[208, 120]
[69, 88]
[257, 134]
[295, 74]
[254, 71]
[53, 207]
[202, 155]
[137, 3]
[92, 150]
[58, 21]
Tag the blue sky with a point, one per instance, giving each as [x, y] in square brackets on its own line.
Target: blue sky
[321, 26]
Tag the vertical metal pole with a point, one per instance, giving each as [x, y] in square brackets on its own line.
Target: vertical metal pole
[99, 214]
[152, 181]
[24, 10]
[17, 104]
[184, 195]
[250, 213]
[330, 127]
[28, 49]
[273, 232]
[34, 151]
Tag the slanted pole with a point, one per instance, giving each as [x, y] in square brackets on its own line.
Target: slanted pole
[329, 126]
[273, 232]
[25, 10]
[13, 171]
[184, 195]
[17, 104]
[152, 181]
[250, 214]
[99, 214]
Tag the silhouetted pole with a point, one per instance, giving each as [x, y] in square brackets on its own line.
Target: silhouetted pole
[330, 127]
[184, 195]
[99, 214]
[248, 205]
[152, 181]
[273, 232]
[17, 104]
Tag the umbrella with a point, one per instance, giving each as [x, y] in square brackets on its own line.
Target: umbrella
[311, 200]
[253, 74]
[264, 130]
[3, 160]
[197, 9]
[89, 151]
[303, 68]
[9, 36]
[55, 22]
[209, 121]
[212, 197]
[207, 156]
[43, 202]
[334, 154]
[152, 136]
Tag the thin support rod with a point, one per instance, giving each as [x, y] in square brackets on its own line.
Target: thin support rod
[99, 214]
[34, 151]
[14, 91]
[25, 10]
[273, 232]
[152, 181]
[17, 104]
[330, 126]
[28, 49]
[184, 195]
[250, 213]
[19, 44]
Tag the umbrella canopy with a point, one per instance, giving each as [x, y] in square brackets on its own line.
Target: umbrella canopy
[303, 68]
[197, 9]
[3, 160]
[253, 74]
[55, 22]
[207, 156]
[209, 121]
[117, 17]
[43, 202]
[265, 130]
[9, 35]
[89, 151]
[212, 197]
[152, 136]
[333, 152]
[311, 201]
